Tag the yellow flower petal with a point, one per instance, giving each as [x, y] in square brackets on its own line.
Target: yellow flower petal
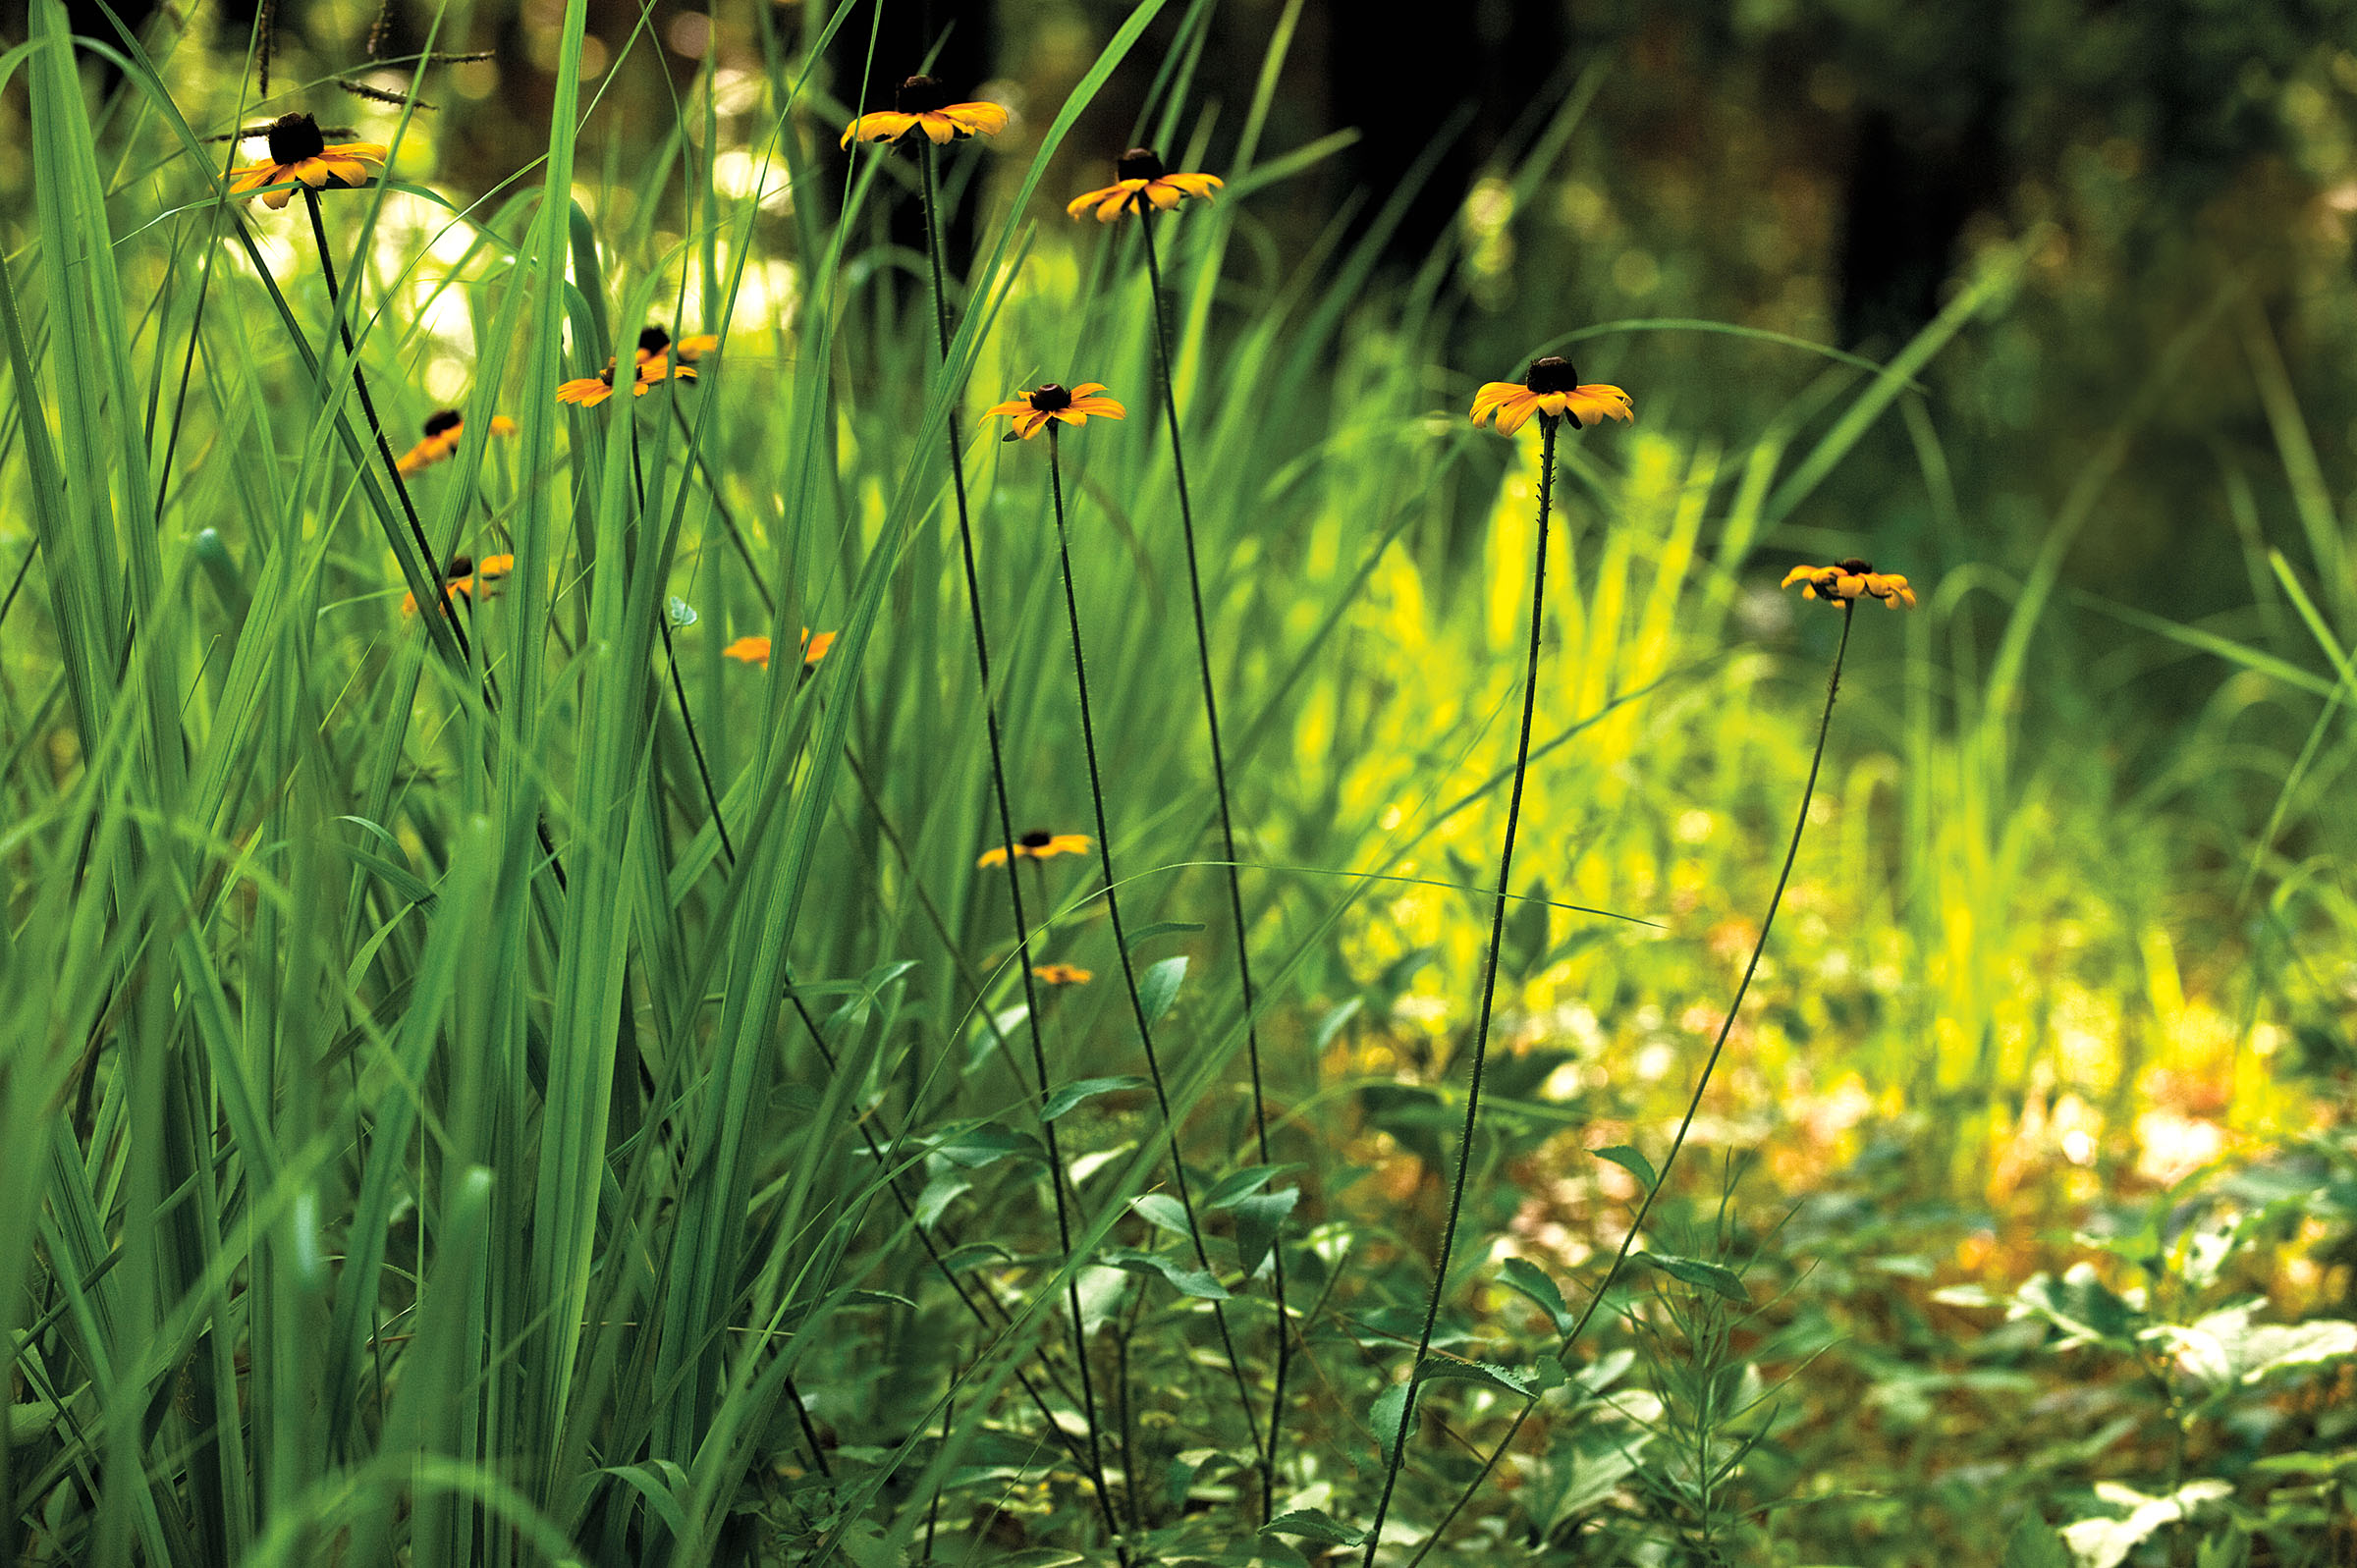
[748, 650]
[977, 119]
[938, 127]
[1101, 407]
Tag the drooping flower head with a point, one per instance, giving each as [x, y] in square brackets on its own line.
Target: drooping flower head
[1032, 410]
[1038, 845]
[441, 439]
[755, 650]
[1551, 388]
[1846, 581]
[299, 151]
[1139, 183]
[922, 104]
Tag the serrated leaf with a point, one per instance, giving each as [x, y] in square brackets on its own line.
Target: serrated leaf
[1158, 987]
[1164, 1210]
[1525, 1277]
[1449, 1369]
[1162, 928]
[1195, 1282]
[1072, 1094]
[1259, 1220]
[1314, 1524]
[1711, 1277]
[1631, 1161]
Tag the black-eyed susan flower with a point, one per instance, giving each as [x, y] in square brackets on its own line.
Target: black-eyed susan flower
[1038, 845]
[922, 103]
[755, 650]
[1139, 183]
[1551, 388]
[468, 578]
[1063, 974]
[655, 357]
[1845, 583]
[1031, 411]
[300, 153]
[441, 439]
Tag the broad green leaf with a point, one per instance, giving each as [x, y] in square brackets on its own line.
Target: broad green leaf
[1631, 1160]
[1529, 1280]
[1158, 987]
[1259, 1221]
[1314, 1524]
[1085, 1089]
[1702, 1276]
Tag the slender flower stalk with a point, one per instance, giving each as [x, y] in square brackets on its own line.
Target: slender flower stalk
[1489, 986]
[1219, 779]
[1057, 1174]
[426, 555]
[1899, 593]
[1120, 935]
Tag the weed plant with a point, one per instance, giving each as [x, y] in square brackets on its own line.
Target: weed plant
[504, 1062]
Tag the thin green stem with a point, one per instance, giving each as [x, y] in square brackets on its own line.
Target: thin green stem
[1800, 821]
[1014, 881]
[1120, 935]
[376, 426]
[1488, 987]
[1236, 892]
[728, 521]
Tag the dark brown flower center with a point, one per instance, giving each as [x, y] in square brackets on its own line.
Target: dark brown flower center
[1552, 374]
[920, 95]
[447, 419]
[1036, 838]
[459, 565]
[1138, 163]
[1051, 399]
[653, 341]
[1854, 566]
[295, 138]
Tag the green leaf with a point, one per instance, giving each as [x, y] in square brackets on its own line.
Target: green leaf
[2034, 1544]
[1259, 1220]
[984, 1143]
[974, 1254]
[1234, 1188]
[1449, 1369]
[942, 1191]
[682, 614]
[1072, 1094]
[1157, 989]
[1384, 1416]
[1631, 1160]
[1314, 1524]
[1527, 1278]
[1162, 928]
[2080, 1305]
[2226, 1349]
[1195, 1282]
[1164, 1210]
[1702, 1276]
[1331, 1024]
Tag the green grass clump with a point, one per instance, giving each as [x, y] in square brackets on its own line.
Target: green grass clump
[499, 1074]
